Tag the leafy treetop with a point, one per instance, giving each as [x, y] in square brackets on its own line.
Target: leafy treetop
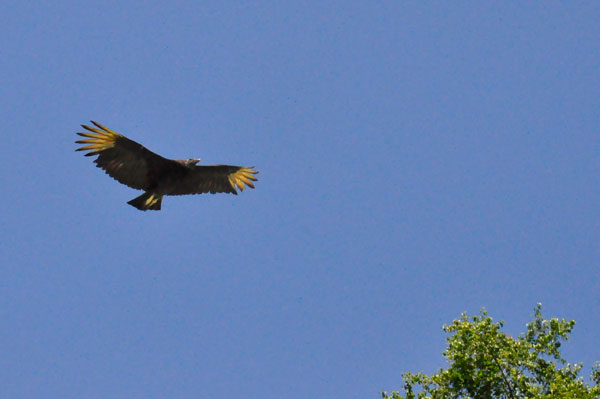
[485, 363]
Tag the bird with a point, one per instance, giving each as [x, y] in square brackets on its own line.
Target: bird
[132, 164]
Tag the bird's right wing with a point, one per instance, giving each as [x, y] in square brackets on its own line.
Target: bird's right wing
[123, 159]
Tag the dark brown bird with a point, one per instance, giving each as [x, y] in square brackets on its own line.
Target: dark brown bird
[134, 165]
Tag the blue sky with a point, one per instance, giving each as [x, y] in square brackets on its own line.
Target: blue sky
[416, 160]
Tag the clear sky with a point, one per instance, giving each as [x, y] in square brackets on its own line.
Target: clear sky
[417, 160]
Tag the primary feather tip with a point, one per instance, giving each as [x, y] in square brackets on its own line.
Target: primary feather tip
[101, 138]
[244, 175]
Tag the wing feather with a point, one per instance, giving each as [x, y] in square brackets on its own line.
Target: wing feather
[123, 159]
[216, 179]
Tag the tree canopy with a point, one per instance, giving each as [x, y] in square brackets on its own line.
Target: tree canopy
[485, 363]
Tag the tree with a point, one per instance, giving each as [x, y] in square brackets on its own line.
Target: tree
[485, 363]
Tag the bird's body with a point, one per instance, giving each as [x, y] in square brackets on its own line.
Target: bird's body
[134, 165]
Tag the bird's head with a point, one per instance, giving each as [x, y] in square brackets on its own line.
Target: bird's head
[192, 161]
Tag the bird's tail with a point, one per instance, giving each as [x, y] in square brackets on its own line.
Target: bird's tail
[147, 201]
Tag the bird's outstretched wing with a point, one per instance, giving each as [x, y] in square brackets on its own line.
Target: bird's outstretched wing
[216, 179]
[123, 159]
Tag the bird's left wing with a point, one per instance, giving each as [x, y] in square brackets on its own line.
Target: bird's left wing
[216, 179]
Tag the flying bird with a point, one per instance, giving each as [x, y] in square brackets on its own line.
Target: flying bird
[134, 165]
